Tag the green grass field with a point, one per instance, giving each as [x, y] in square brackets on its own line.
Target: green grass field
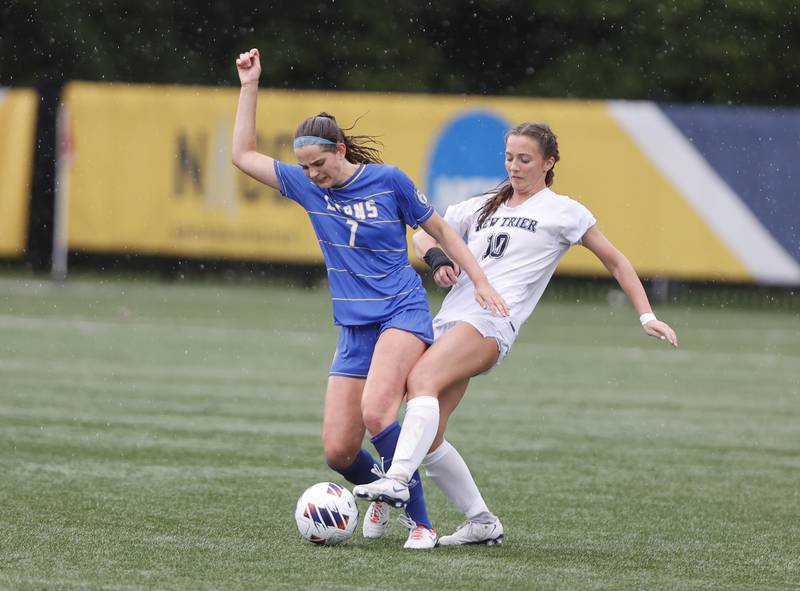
[157, 436]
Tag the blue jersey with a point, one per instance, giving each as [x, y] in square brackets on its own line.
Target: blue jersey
[361, 229]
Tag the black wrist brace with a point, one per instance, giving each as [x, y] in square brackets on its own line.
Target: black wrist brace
[435, 258]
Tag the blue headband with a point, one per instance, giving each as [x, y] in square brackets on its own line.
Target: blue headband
[307, 140]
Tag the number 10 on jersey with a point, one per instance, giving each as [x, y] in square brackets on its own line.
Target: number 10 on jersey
[497, 245]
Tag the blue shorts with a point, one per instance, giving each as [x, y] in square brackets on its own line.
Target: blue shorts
[357, 343]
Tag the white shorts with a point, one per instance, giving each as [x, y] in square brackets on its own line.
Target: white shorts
[496, 327]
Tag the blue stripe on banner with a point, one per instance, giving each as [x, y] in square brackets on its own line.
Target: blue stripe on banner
[756, 151]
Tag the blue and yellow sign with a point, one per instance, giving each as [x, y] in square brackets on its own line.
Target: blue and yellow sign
[150, 172]
[467, 157]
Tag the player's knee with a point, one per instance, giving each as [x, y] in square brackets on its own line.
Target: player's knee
[422, 381]
[340, 452]
[376, 419]
[339, 455]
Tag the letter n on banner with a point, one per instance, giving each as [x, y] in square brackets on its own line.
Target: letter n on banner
[191, 162]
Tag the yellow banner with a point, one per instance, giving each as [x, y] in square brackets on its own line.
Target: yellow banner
[17, 130]
[150, 172]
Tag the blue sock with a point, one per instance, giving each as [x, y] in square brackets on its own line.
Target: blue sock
[386, 442]
[360, 471]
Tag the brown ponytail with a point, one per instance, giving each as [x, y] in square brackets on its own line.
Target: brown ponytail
[501, 196]
[361, 149]
[548, 144]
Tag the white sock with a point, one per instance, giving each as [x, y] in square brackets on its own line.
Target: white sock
[449, 471]
[416, 436]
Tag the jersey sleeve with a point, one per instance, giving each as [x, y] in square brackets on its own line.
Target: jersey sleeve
[411, 203]
[292, 183]
[578, 220]
[460, 216]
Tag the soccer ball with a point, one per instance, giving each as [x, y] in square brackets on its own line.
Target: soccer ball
[326, 514]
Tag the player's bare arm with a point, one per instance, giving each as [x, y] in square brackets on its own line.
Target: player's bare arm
[622, 270]
[485, 294]
[243, 149]
[444, 276]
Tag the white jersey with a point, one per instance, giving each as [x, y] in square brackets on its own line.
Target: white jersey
[517, 247]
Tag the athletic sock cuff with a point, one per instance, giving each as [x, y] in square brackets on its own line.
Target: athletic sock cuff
[376, 439]
[423, 401]
[437, 454]
[359, 469]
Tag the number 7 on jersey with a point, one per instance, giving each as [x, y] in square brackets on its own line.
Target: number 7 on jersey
[353, 227]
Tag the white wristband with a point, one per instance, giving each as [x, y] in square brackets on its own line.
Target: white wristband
[647, 317]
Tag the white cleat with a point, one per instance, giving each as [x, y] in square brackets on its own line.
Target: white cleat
[384, 489]
[376, 521]
[421, 538]
[470, 532]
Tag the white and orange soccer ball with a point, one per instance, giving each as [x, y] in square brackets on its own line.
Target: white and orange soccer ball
[326, 514]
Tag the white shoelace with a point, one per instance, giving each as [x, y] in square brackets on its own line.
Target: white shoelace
[378, 470]
[406, 521]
